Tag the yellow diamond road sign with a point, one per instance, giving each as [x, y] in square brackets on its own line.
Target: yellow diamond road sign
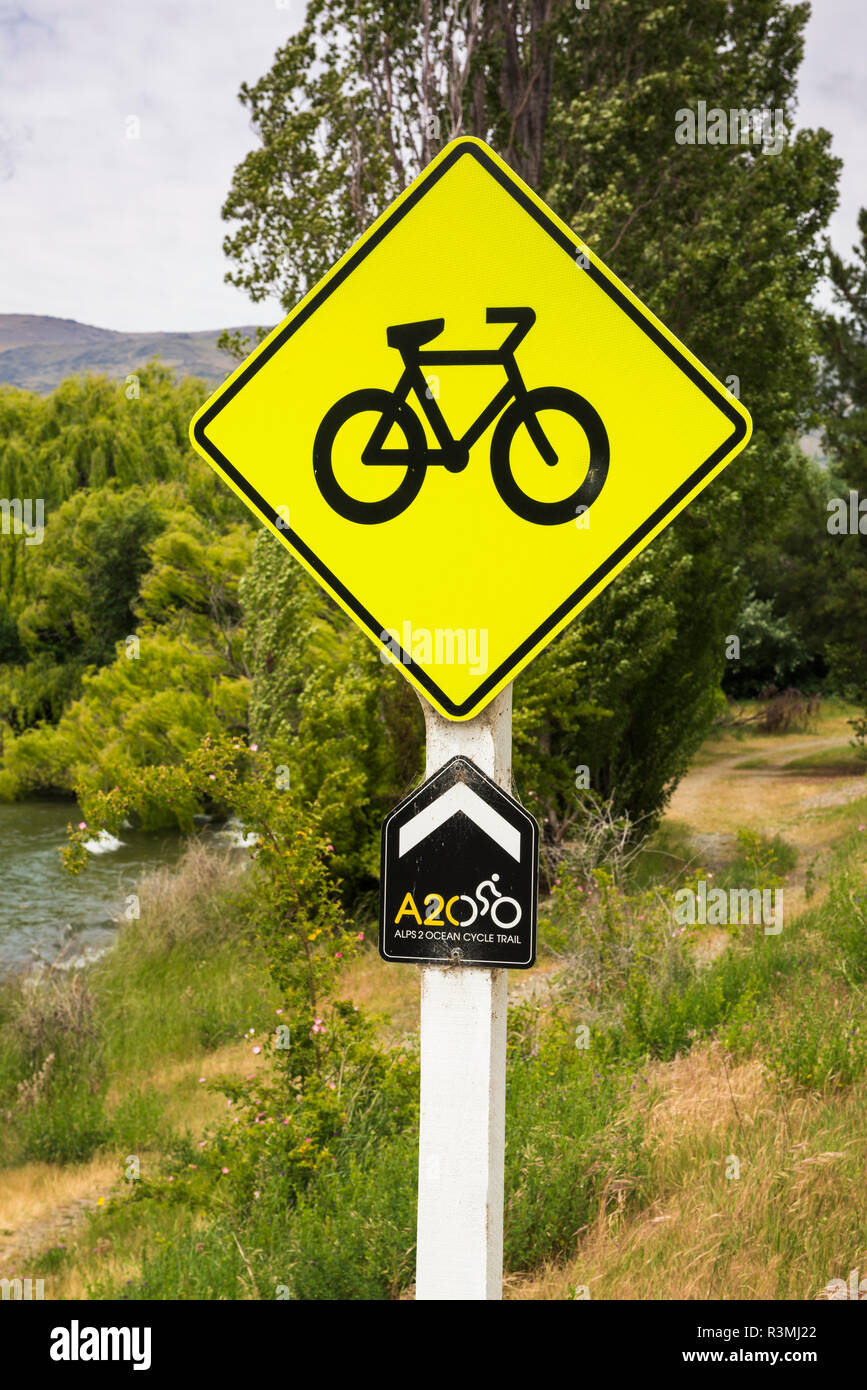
[468, 428]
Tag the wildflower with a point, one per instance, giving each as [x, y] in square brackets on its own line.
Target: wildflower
[360, 936]
[279, 1011]
[256, 1049]
[338, 955]
[254, 748]
[100, 1201]
[82, 825]
[201, 1080]
[172, 1178]
[202, 1143]
[224, 1170]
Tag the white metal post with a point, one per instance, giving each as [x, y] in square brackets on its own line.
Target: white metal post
[463, 1072]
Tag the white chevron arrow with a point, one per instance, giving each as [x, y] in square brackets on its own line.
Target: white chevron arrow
[460, 797]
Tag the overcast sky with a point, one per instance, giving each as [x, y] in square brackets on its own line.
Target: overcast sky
[126, 233]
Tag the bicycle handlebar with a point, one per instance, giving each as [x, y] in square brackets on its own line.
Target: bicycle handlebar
[524, 318]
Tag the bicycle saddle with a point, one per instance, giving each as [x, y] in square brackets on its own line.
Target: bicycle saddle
[414, 334]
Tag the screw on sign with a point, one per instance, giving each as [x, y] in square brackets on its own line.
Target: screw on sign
[459, 871]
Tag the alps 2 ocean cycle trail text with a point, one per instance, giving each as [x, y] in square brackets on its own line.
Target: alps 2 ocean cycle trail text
[519, 405]
[460, 861]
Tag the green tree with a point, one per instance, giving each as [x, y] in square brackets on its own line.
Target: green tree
[722, 241]
[844, 340]
[347, 729]
[122, 631]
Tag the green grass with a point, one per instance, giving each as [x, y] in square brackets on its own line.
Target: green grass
[664, 858]
[832, 762]
[184, 978]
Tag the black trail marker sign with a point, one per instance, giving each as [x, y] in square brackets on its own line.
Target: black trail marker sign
[460, 861]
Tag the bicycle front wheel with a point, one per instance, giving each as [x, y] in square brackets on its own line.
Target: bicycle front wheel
[409, 464]
[569, 403]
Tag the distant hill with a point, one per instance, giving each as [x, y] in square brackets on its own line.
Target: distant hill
[37, 352]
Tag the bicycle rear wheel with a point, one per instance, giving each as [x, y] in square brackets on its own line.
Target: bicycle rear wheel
[382, 403]
[570, 403]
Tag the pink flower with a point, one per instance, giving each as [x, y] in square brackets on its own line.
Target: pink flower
[172, 1178]
[201, 1080]
[194, 1166]
[82, 825]
[224, 1170]
[360, 936]
[212, 776]
[332, 1086]
[254, 748]
[257, 1049]
[202, 1143]
[279, 1011]
[338, 955]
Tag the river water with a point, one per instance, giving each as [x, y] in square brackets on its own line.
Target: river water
[44, 909]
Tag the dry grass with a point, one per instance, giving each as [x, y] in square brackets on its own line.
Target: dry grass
[193, 898]
[790, 1222]
[378, 987]
[39, 1200]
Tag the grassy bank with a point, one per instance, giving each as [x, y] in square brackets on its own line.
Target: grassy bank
[683, 1104]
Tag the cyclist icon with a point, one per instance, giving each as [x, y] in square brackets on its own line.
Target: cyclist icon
[519, 406]
[494, 905]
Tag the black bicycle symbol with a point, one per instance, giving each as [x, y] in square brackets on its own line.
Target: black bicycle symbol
[523, 408]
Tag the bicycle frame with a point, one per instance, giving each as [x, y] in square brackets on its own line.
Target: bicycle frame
[453, 453]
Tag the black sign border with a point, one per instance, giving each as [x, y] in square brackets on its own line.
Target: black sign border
[513, 805]
[461, 149]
